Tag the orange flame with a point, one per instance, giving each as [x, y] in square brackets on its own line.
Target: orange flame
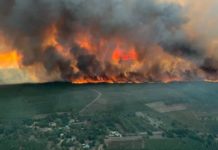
[124, 55]
[50, 36]
[51, 39]
[10, 59]
[83, 80]
[163, 67]
[84, 41]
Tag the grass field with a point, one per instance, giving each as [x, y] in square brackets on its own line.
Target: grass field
[19, 101]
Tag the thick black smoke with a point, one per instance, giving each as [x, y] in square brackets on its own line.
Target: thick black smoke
[141, 22]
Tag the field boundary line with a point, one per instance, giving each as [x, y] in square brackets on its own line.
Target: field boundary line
[92, 102]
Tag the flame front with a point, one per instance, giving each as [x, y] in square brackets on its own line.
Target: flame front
[123, 55]
[118, 42]
[10, 59]
[112, 60]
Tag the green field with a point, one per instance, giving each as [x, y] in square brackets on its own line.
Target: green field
[21, 101]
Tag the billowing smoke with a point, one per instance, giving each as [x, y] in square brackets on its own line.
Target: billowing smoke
[106, 40]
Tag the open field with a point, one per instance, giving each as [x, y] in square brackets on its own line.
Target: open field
[20, 101]
[163, 108]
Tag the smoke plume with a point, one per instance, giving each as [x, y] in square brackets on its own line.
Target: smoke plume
[106, 41]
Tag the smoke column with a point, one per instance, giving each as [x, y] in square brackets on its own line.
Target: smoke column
[116, 41]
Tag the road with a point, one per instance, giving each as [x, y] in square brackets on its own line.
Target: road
[92, 102]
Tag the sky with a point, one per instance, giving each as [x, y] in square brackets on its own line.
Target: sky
[203, 18]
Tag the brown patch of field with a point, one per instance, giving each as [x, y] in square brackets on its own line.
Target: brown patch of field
[163, 108]
[125, 143]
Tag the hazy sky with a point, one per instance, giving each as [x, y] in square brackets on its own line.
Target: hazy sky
[203, 18]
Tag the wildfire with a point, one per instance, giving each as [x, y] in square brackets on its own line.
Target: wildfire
[125, 58]
[120, 54]
[51, 40]
[51, 35]
[126, 67]
[10, 59]
[84, 41]
[84, 80]
[96, 53]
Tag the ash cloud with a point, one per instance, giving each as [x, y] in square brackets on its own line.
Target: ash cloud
[141, 22]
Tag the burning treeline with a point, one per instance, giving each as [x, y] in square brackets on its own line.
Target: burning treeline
[92, 41]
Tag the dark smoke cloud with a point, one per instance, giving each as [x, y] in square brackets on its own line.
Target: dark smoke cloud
[210, 65]
[88, 64]
[6, 7]
[141, 22]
